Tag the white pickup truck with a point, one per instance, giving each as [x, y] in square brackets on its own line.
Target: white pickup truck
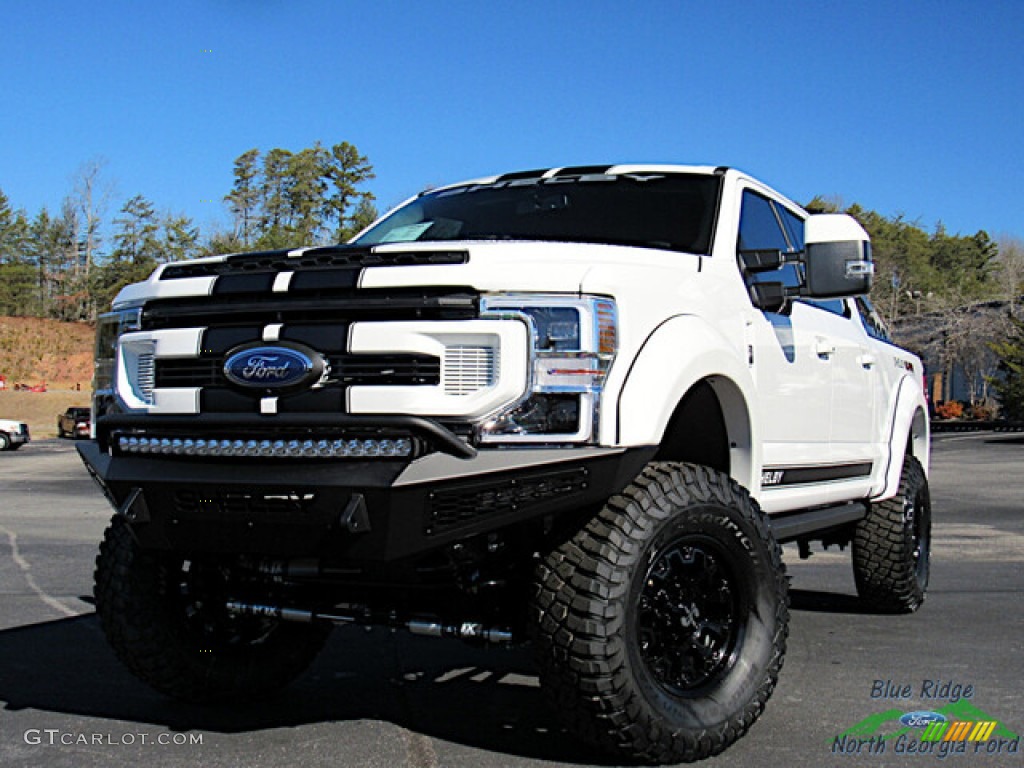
[13, 434]
[579, 407]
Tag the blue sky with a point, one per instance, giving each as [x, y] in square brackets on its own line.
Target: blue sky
[905, 107]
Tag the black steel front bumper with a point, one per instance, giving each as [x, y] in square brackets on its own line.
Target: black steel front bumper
[355, 510]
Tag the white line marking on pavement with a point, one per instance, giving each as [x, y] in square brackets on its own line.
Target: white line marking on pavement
[26, 571]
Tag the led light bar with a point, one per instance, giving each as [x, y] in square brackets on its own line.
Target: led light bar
[299, 449]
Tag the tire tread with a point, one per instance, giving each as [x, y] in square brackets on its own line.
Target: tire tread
[579, 606]
[136, 624]
[883, 569]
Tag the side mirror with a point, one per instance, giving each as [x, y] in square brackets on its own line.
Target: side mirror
[770, 297]
[837, 257]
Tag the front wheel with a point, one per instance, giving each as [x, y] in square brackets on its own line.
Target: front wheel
[661, 625]
[892, 546]
[5, 442]
[166, 620]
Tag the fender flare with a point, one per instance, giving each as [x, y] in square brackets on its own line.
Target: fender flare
[908, 426]
[661, 375]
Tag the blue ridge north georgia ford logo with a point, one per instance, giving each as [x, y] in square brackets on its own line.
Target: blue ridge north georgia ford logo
[273, 366]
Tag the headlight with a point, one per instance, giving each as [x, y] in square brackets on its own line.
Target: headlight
[573, 341]
[109, 328]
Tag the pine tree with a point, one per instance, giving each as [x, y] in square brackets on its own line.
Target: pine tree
[276, 215]
[1009, 384]
[136, 238]
[17, 277]
[306, 193]
[244, 198]
[137, 248]
[179, 238]
[363, 216]
[69, 299]
[285, 199]
[40, 250]
[346, 170]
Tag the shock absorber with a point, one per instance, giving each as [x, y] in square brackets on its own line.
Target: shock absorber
[469, 631]
[282, 613]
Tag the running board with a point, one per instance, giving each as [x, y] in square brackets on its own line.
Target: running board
[797, 525]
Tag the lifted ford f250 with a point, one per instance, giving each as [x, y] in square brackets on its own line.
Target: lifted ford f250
[579, 406]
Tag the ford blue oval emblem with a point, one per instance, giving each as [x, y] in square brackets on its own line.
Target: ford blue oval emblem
[922, 718]
[277, 366]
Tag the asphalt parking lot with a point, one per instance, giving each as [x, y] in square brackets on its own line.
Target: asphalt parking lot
[388, 699]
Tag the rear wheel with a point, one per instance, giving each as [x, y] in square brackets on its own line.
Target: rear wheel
[5, 441]
[892, 546]
[661, 625]
[166, 620]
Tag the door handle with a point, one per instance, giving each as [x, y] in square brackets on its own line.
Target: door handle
[823, 347]
[867, 360]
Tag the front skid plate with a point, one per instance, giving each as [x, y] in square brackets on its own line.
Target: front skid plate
[304, 508]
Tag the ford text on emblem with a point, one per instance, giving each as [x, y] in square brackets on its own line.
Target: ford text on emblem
[277, 366]
[922, 719]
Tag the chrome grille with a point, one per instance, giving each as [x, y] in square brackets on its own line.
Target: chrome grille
[345, 370]
[146, 376]
[468, 369]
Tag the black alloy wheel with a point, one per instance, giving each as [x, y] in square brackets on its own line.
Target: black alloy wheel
[689, 617]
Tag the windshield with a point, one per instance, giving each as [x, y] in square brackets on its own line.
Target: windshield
[657, 210]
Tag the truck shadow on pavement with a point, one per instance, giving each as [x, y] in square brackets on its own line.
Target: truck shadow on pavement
[485, 699]
[829, 602]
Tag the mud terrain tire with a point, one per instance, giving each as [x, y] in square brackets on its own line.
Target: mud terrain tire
[661, 625]
[891, 546]
[164, 618]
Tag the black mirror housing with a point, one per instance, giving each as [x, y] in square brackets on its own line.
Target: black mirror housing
[769, 297]
[762, 260]
[837, 258]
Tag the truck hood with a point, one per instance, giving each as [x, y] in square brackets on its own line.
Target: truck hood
[526, 266]
[505, 266]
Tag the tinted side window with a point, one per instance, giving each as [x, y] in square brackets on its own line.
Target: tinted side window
[759, 227]
[835, 306]
[873, 324]
[794, 226]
